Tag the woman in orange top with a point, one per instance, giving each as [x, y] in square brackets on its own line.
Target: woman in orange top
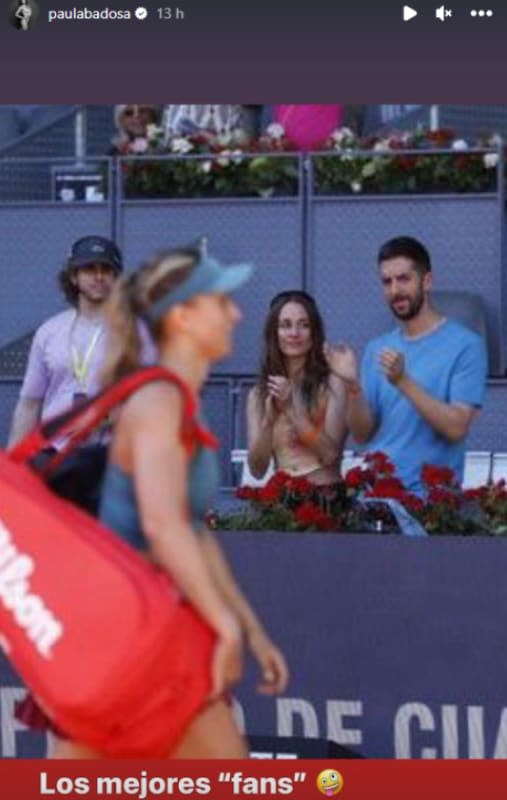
[296, 410]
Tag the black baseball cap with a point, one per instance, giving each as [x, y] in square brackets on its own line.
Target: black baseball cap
[95, 249]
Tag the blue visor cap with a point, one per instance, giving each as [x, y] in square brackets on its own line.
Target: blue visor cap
[208, 277]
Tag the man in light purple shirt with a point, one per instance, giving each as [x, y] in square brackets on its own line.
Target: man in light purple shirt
[68, 351]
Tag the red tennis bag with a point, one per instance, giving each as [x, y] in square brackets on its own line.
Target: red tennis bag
[87, 622]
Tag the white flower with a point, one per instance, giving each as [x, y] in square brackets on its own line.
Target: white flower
[181, 145]
[239, 136]
[343, 138]
[356, 186]
[459, 145]
[139, 145]
[224, 158]
[347, 133]
[490, 160]
[224, 138]
[206, 166]
[275, 131]
[154, 132]
[227, 157]
[381, 146]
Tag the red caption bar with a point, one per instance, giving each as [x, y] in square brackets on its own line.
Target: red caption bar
[224, 780]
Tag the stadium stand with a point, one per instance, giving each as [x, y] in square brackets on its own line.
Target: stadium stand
[321, 244]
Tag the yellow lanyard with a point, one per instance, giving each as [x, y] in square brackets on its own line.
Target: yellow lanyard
[80, 366]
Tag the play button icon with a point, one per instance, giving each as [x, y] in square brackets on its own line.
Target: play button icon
[408, 13]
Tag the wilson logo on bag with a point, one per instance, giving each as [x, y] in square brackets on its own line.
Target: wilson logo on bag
[28, 609]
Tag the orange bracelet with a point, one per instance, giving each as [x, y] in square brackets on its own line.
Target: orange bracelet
[353, 388]
[309, 437]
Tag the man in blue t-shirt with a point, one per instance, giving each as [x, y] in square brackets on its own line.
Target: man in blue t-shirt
[421, 384]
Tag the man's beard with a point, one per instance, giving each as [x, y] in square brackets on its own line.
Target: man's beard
[95, 299]
[414, 306]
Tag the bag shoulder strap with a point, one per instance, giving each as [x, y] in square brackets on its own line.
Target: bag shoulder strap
[77, 424]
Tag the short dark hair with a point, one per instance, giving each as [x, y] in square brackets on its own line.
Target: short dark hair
[408, 247]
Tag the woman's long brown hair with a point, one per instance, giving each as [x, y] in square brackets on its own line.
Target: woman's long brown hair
[316, 369]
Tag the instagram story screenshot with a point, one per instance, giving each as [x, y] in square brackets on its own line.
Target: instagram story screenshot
[253, 389]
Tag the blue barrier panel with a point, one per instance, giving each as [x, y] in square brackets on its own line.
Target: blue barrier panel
[218, 407]
[268, 232]
[328, 246]
[397, 646]
[29, 264]
[489, 431]
[36, 238]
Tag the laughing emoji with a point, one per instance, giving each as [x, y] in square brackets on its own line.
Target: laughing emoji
[329, 782]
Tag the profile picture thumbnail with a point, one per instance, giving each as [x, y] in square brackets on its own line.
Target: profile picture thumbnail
[23, 14]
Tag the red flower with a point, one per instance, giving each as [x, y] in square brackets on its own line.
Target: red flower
[380, 463]
[438, 495]
[310, 515]
[272, 492]
[480, 493]
[299, 485]
[440, 138]
[199, 139]
[325, 523]
[406, 162]
[413, 503]
[387, 487]
[307, 513]
[279, 480]
[437, 476]
[357, 478]
[269, 493]
[247, 493]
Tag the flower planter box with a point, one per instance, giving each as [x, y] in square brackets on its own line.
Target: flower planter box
[210, 176]
[266, 232]
[370, 497]
[400, 170]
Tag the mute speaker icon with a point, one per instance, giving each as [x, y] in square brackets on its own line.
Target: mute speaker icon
[443, 13]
